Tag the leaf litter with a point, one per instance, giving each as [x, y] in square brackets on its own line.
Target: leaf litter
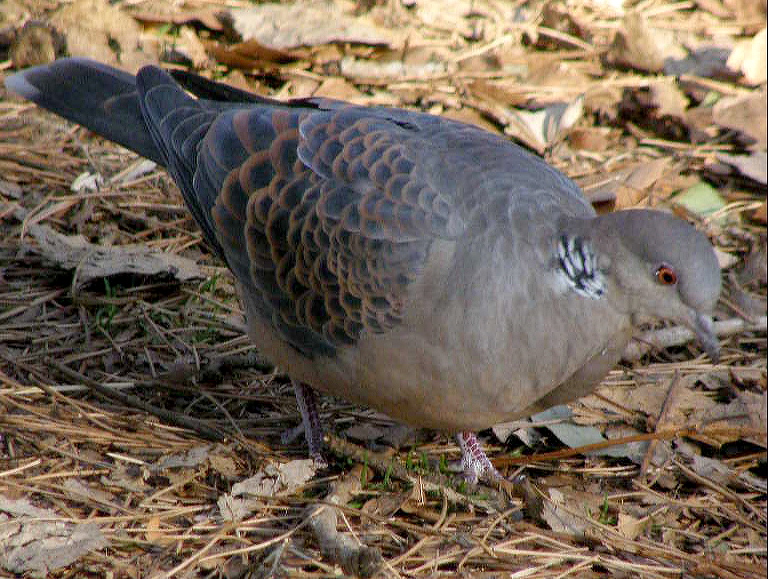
[142, 434]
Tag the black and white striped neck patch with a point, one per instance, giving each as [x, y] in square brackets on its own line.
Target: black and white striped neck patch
[578, 267]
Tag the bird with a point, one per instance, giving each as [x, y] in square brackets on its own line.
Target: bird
[420, 266]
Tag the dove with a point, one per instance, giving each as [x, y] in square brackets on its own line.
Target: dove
[416, 265]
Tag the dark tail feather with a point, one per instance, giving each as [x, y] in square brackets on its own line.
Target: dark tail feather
[94, 95]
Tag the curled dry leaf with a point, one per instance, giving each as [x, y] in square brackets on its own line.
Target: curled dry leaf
[542, 128]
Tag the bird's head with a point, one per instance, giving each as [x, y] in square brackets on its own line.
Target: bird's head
[661, 267]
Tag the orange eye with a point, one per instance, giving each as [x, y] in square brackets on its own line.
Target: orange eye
[665, 275]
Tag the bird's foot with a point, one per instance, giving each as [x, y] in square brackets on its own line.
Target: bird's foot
[310, 423]
[477, 466]
[474, 461]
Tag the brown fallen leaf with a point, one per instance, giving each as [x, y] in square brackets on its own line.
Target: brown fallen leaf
[95, 28]
[559, 517]
[308, 24]
[668, 99]
[761, 214]
[153, 533]
[591, 138]
[36, 43]
[641, 46]
[746, 114]
[338, 88]
[248, 55]
[628, 185]
[558, 19]
[747, 10]
[630, 527]
[170, 14]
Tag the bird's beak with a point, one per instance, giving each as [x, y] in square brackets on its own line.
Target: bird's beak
[705, 331]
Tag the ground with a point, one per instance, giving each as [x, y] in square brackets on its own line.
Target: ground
[141, 433]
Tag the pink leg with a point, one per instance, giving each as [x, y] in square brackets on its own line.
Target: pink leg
[313, 432]
[474, 461]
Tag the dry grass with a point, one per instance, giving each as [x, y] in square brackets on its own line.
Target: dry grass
[175, 354]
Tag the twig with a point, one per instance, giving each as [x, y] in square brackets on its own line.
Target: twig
[658, 435]
[354, 557]
[135, 402]
[679, 335]
[663, 419]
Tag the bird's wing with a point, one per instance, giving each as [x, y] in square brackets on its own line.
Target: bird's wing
[319, 213]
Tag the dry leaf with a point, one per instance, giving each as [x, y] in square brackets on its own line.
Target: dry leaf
[82, 492]
[629, 526]
[224, 465]
[248, 55]
[37, 547]
[189, 459]
[191, 47]
[668, 98]
[561, 19]
[701, 199]
[591, 138]
[93, 28]
[751, 408]
[338, 88]
[706, 62]
[364, 432]
[234, 509]
[746, 113]
[273, 479]
[449, 15]
[542, 128]
[639, 45]
[749, 58]
[561, 520]
[93, 261]
[754, 165]
[628, 185]
[36, 43]
[153, 533]
[170, 14]
[307, 24]
[276, 478]
[755, 268]
[126, 477]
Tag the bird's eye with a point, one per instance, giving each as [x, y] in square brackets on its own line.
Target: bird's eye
[665, 275]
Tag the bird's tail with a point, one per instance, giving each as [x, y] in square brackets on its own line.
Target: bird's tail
[97, 96]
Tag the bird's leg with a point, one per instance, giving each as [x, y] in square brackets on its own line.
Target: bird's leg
[475, 463]
[313, 432]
